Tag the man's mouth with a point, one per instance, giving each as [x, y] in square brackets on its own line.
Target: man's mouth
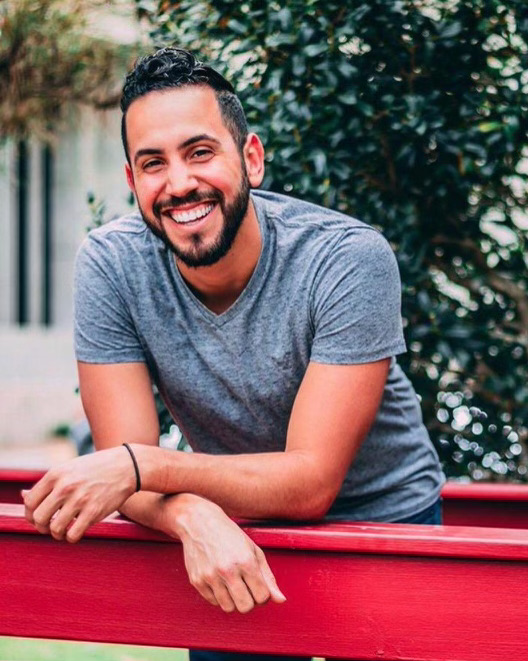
[190, 215]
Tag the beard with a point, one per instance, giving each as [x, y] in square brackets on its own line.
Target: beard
[233, 215]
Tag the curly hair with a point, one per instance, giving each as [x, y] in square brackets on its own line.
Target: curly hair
[175, 67]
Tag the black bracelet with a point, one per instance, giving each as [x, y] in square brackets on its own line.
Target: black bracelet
[136, 467]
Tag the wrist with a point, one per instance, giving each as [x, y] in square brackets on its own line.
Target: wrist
[135, 465]
[180, 513]
[150, 464]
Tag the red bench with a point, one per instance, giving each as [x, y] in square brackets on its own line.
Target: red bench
[361, 591]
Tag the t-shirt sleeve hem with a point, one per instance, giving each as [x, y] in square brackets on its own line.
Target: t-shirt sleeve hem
[344, 358]
[88, 357]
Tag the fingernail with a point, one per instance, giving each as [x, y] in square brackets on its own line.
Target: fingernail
[24, 492]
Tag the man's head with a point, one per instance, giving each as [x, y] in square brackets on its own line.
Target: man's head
[170, 68]
[190, 159]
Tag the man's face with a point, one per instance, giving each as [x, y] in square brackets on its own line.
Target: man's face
[191, 184]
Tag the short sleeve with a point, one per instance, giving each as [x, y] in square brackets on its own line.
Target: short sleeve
[356, 302]
[104, 331]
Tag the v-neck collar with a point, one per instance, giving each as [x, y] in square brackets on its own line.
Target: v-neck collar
[249, 290]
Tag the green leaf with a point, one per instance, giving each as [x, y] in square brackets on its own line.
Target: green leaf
[237, 27]
[313, 50]
[450, 30]
[348, 98]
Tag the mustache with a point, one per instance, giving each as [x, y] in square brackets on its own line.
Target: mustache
[194, 197]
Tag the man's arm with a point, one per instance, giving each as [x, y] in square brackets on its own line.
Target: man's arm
[333, 411]
[223, 564]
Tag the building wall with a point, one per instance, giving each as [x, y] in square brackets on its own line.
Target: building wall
[37, 365]
[7, 237]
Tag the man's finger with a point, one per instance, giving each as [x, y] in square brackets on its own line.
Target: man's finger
[36, 495]
[276, 595]
[44, 529]
[206, 592]
[79, 527]
[43, 514]
[257, 586]
[224, 597]
[208, 595]
[59, 524]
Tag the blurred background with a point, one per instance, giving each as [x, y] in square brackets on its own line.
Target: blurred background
[61, 66]
[410, 115]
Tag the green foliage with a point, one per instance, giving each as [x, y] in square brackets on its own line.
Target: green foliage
[47, 59]
[412, 116]
[98, 212]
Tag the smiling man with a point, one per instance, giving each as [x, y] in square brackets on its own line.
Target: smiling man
[270, 327]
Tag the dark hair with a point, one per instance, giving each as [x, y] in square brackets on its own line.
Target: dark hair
[176, 67]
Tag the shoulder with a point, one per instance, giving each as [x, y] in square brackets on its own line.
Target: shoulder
[119, 253]
[124, 229]
[121, 239]
[324, 232]
[293, 211]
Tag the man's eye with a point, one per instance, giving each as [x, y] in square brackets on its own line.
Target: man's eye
[201, 153]
[153, 163]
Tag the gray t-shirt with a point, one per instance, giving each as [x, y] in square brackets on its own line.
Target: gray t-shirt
[325, 289]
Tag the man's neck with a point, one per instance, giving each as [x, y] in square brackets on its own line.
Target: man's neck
[218, 286]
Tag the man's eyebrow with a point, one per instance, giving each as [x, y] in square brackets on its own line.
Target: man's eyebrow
[147, 152]
[154, 151]
[199, 138]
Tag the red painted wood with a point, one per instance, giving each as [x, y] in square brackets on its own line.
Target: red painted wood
[488, 505]
[13, 480]
[486, 513]
[485, 491]
[20, 475]
[378, 538]
[370, 601]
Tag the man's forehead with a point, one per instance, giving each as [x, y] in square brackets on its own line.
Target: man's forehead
[198, 100]
[181, 112]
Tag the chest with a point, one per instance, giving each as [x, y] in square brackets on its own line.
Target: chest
[247, 366]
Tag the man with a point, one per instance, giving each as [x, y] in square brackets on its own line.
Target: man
[270, 327]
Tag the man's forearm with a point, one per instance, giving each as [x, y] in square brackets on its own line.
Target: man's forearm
[144, 508]
[151, 509]
[264, 485]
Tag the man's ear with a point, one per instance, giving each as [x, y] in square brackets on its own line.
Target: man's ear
[254, 159]
[130, 178]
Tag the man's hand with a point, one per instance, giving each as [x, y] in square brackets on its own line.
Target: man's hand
[80, 492]
[222, 562]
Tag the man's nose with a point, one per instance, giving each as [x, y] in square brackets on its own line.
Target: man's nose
[180, 181]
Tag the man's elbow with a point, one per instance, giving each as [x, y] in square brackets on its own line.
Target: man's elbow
[315, 506]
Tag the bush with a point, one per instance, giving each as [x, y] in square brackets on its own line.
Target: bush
[410, 115]
[49, 59]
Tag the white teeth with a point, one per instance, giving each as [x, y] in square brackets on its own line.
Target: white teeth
[188, 216]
